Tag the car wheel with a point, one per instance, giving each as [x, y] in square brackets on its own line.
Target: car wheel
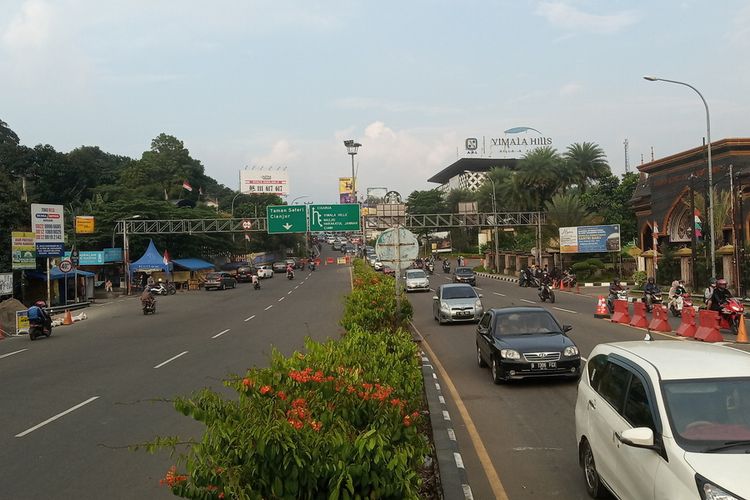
[480, 361]
[223, 286]
[496, 370]
[594, 486]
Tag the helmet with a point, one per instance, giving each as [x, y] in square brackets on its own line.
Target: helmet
[616, 281]
[40, 303]
[721, 283]
[651, 279]
[712, 282]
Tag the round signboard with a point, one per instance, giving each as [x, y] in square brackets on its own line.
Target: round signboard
[247, 224]
[66, 266]
[404, 240]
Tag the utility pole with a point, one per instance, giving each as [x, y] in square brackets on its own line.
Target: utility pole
[693, 236]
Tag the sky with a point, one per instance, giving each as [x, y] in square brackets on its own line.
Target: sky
[283, 83]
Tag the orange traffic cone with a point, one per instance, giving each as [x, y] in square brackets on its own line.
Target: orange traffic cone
[741, 331]
[68, 319]
[601, 308]
[562, 285]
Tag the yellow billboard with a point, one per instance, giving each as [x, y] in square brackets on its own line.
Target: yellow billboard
[345, 185]
[84, 224]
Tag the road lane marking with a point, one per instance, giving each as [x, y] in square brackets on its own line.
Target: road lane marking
[171, 359]
[12, 353]
[489, 470]
[565, 310]
[220, 333]
[269, 307]
[52, 419]
[282, 298]
[535, 448]
[289, 292]
[529, 301]
[477, 288]
[251, 317]
[500, 294]
[296, 287]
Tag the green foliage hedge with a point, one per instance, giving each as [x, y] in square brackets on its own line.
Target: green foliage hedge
[342, 420]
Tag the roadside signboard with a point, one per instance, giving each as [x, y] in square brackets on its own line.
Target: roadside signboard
[392, 239]
[590, 239]
[22, 322]
[87, 258]
[84, 224]
[23, 250]
[286, 219]
[48, 224]
[343, 217]
[247, 224]
[66, 266]
[6, 283]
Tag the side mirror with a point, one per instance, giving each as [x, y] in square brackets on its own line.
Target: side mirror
[638, 437]
[435, 297]
[567, 328]
[480, 295]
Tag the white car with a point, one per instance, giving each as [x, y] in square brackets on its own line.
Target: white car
[265, 272]
[665, 420]
[416, 279]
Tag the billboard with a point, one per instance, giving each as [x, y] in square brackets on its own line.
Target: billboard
[260, 181]
[84, 224]
[6, 283]
[48, 224]
[23, 250]
[345, 190]
[440, 242]
[590, 239]
[376, 195]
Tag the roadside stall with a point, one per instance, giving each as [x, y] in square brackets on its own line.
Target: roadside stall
[150, 261]
[193, 274]
[74, 286]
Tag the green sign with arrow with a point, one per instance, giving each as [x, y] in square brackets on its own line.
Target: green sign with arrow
[344, 217]
[285, 219]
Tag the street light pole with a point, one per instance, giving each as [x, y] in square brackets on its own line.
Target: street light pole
[351, 149]
[710, 169]
[494, 220]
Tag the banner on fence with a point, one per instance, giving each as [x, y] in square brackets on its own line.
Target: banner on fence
[590, 239]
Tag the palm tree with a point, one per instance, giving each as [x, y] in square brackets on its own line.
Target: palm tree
[566, 210]
[587, 162]
[540, 172]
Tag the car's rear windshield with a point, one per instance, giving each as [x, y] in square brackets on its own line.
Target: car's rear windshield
[459, 292]
[417, 273]
[213, 276]
[520, 323]
[463, 270]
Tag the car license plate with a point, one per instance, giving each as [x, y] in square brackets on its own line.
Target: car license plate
[463, 313]
[544, 365]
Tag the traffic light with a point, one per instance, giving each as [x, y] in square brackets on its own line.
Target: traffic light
[698, 224]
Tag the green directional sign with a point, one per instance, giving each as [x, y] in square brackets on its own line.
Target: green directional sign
[334, 217]
[284, 219]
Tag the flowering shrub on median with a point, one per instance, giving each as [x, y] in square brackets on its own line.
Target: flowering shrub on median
[342, 420]
[372, 303]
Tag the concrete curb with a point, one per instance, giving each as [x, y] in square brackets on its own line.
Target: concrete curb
[512, 279]
[454, 481]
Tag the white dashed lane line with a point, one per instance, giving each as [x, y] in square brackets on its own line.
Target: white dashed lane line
[269, 307]
[289, 292]
[527, 301]
[500, 294]
[565, 310]
[251, 317]
[170, 359]
[282, 298]
[52, 419]
[11, 353]
[220, 334]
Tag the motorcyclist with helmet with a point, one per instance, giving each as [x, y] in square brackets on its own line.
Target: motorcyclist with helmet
[147, 298]
[649, 292]
[37, 314]
[614, 287]
[719, 296]
[709, 291]
[289, 271]
[545, 282]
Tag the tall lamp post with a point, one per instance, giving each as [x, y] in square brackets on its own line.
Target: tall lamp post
[351, 149]
[710, 169]
[126, 251]
[494, 219]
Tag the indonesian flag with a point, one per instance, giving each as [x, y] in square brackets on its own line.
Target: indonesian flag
[200, 191]
[166, 258]
[697, 223]
[186, 185]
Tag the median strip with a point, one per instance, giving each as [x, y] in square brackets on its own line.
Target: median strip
[220, 333]
[52, 419]
[171, 359]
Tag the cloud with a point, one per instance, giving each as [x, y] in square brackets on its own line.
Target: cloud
[570, 89]
[362, 103]
[281, 154]
[30, 28]
[567, 17]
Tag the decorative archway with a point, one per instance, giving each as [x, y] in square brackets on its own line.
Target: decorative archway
[680, 225]
[647, 237]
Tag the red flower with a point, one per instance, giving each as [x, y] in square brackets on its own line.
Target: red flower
[407, 420]
[266, 389]
[316, 425]
[247, 383]
[281, 395]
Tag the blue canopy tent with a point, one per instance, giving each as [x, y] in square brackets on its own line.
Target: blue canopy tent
[150, 261]
[66, 284]
[193, 264]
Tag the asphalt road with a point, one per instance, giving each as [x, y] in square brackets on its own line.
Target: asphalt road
[70, 405]
[527, 428]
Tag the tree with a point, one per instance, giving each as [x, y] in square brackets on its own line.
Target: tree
[541, 174]
[7, 136]
[456, 196]
[566, 210]
[610, 198]
[426, 202]
[587, 162]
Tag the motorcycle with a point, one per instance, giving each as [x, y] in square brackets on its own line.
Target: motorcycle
[311, 266]
[652, 299]
[446, 267]
[149, 307]
[678, 303]
[732, 310]
[162, 289]
[430, 267]
[568, 279]
[619, 295]
[290, 275]
[256, 285]
[37, 329]
[545, 293]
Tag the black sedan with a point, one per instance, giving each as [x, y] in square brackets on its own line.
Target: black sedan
[525, 342]
[464, 275]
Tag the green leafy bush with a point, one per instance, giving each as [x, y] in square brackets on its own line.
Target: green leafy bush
[587, 269]
[639, 278]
